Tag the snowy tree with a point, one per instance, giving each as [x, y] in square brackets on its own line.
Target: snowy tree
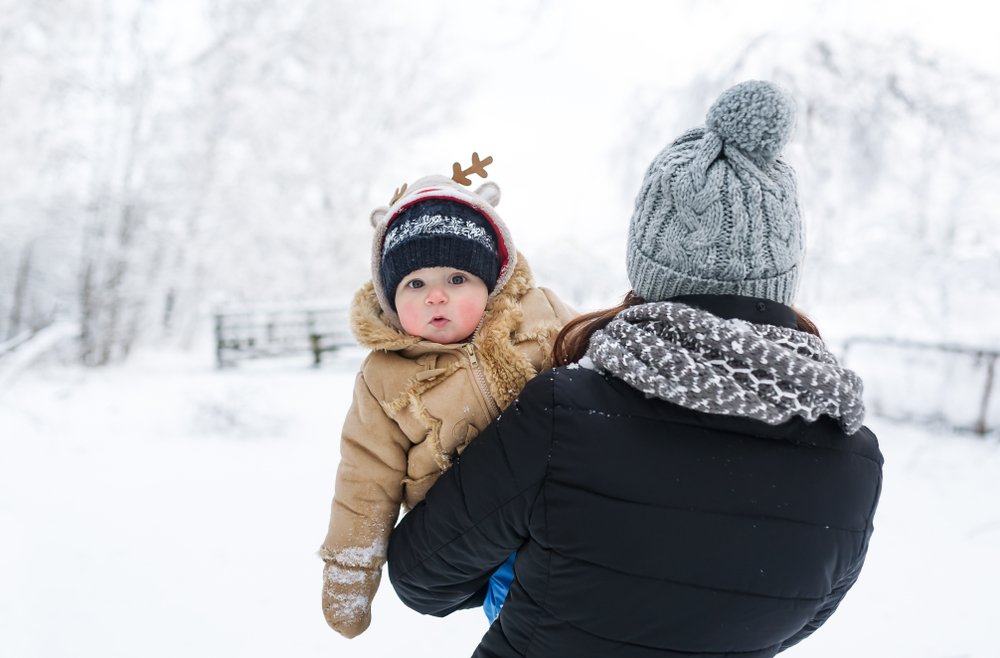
[895, 147]
[155, 159]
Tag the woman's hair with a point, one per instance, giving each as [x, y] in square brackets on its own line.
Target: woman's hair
[802, 323]
[574, 339]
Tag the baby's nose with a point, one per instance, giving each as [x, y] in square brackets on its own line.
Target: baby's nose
[436, 295]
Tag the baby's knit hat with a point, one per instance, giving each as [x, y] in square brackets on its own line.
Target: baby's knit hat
[439, 233]
[718, 211]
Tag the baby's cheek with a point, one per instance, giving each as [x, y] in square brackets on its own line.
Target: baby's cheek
[470, 311]
[409, 318]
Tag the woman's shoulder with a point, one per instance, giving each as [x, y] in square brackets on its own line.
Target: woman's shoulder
[582, 388]
[573, 387]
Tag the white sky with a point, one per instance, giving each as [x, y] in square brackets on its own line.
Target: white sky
[555, 80]
[551, 80]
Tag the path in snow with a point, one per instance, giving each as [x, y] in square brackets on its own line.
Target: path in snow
[166, 508]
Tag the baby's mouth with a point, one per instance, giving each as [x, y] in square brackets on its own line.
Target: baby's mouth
[439, 321]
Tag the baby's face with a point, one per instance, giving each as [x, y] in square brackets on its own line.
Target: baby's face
[441, 304]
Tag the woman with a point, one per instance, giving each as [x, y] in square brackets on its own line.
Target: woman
[703, 484]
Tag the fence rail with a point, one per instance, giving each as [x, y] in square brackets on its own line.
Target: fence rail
[928, 382]
[254, 333]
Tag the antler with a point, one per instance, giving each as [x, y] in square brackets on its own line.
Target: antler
[478, 167]
[400, 191]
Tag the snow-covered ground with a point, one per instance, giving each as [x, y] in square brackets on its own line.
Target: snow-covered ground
[166, 508]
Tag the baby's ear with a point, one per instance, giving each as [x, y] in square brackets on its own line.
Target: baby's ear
[378, 214]
[490, 192]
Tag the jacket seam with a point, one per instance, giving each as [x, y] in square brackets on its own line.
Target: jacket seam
[720, 513]
[694, 585]
[636, 644]
[727, 654]
[680, 422]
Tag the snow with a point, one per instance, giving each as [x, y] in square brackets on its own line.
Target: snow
[338, 576]
[136, 522]
[587, 363]
[359, 556]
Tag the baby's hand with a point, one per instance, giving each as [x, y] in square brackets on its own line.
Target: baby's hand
[347, 597]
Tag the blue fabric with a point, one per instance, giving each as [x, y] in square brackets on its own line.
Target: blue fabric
[499, 586]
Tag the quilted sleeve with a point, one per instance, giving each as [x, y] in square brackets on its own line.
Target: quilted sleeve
[369, 491]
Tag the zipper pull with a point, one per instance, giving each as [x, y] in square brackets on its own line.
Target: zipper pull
[472, 354]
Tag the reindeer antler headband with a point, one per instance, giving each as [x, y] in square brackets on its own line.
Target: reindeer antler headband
[459, 175]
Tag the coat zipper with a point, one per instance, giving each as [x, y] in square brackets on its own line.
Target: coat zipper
[481, 380]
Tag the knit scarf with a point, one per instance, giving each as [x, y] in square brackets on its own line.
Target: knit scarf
[731, 367]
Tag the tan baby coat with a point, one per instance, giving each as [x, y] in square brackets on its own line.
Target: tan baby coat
[416, 405]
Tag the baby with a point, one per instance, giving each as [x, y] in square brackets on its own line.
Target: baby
[456, 328]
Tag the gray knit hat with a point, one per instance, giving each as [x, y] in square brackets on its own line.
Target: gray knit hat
[718, 213]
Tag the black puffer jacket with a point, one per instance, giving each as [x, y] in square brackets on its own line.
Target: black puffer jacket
[643, 528]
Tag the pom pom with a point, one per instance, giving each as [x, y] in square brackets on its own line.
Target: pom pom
[757, 116]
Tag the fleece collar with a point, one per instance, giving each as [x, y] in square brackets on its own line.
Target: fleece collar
[507, 369]
[740, 307]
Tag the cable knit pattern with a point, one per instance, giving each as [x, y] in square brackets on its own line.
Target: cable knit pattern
[717, 213]
[697, 360]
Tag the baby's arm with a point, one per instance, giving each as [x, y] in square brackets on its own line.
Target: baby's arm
[563, 311]
[369, 491]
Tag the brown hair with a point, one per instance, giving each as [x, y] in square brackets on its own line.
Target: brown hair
[802, 323]
[574, 339]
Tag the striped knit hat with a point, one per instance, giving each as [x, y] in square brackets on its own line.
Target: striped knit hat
[718, 211]
[439, 233]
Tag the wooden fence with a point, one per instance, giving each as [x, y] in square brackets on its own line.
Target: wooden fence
[929, 383]
[251, 333]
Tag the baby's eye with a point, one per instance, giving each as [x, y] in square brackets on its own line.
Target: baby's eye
[415, 283]
[457, 279]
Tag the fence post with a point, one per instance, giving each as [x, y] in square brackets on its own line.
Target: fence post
[219, 344]
[316, 349]
[983, 407]
[314, 338]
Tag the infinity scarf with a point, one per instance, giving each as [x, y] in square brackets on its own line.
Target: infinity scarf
[731, 367]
